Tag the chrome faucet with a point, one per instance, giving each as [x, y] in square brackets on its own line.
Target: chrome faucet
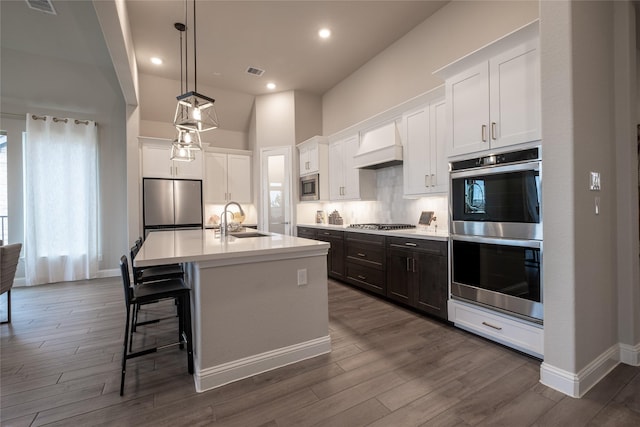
[224, 224]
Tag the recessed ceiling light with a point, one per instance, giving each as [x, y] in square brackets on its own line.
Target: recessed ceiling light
[156, 61]
[271, 86]
[324, 33]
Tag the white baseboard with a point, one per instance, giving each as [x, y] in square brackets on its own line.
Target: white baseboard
[226, 373]
[630, 354]
[576, 385]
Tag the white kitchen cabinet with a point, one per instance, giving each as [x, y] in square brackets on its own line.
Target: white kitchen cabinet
[157, 163]
[345, 181]
[510, 331]
[493, 95]
[313, 155]
[227, 177]
[425, 167]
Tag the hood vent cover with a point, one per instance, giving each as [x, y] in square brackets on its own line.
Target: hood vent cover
[379, 148]
[42, 5]
[255, 71]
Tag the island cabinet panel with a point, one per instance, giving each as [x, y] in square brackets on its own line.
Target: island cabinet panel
[366, 261]
[417, 274]
[335, 257]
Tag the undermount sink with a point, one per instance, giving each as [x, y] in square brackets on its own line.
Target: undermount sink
[244, 234]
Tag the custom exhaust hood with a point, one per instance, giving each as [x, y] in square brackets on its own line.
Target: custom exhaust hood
[379, 148]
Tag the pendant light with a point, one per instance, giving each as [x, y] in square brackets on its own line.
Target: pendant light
[195, 111]
[185, 145]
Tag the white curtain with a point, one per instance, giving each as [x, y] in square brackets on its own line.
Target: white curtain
[61, 200]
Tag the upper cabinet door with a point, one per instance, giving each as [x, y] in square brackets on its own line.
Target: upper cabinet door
[351, 190]
[439, 174]
[189, 170]
[416, 140]
[239, 178]
[467, 97]
[515, 96]
[156, 162]
[215, 182]
[336, 170]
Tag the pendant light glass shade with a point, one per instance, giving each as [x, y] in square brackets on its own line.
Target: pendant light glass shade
[182, 154]
[185, 145]
[195, 112]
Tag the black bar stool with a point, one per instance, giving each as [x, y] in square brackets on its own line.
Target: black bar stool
[146, 293]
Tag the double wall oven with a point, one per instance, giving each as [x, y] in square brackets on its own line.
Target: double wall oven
[496, 232]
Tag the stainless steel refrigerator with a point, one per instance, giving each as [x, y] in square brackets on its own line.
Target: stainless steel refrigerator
[171, 204]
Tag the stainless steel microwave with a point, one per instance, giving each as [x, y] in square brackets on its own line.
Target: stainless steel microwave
[310, 187]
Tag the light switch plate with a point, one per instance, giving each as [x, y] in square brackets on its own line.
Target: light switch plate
[302, 277]
[594, 182]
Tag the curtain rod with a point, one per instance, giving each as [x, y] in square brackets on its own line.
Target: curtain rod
[56, 119]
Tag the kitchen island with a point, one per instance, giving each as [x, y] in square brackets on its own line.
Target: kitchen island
[258, 303]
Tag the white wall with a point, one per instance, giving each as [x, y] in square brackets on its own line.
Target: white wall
[47, 85]
[275, 119]
[404, 69]
[584, 130]
[626, 170]
[308, 115]
[158, 107]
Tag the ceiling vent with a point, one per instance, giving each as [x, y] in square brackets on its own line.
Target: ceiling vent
[42, 5]
[255, 71]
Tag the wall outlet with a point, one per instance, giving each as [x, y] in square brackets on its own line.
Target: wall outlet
[302, 277]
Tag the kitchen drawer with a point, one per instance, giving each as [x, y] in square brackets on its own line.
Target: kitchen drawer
[329, 234]
[429, 246]
[307, 232]
[521, 335]
[366, 250]
[366, 278]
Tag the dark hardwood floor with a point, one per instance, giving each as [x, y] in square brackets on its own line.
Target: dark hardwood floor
[60, 365]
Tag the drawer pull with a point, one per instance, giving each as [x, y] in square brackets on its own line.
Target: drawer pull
[326, 234]
[362, 278]
[360, 254]
[410, 244]
[498, 328]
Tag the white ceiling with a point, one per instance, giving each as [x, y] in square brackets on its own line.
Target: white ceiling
[277, 36]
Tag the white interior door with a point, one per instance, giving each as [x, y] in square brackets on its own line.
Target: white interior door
[276, 194]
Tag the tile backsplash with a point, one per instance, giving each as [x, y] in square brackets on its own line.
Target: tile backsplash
[389, 207]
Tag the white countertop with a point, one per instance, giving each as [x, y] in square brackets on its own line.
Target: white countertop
[414, 233]
[168, 247]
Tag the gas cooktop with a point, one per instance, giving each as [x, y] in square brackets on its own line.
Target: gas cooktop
[384, 227]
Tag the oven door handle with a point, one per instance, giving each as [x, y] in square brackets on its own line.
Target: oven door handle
[492, 170]
[536, 244]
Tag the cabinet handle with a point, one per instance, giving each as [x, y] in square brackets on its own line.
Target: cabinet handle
[498, 328]
[360, 254]
[407, 259]
[484, 133]
[426, 181]
[327, 234]
[413, 265]
[433, 180]
[493, 130]
[410, 244]
[362, 278]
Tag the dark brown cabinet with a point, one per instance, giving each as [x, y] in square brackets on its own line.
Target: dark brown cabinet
[335, 256]
[307, 232]
[410, 271]
[417, 274]
[366, 261]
